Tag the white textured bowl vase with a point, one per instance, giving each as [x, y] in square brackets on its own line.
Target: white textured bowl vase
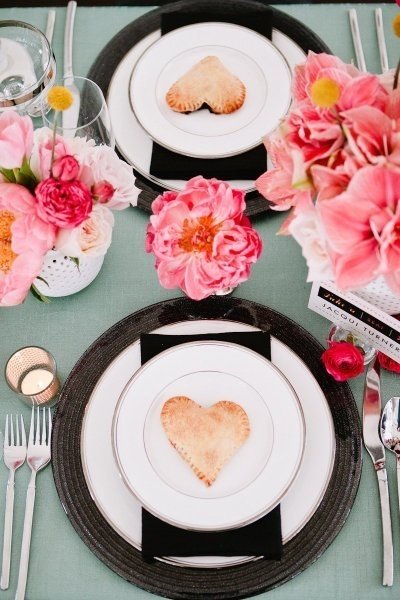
[380, 295]
[64, 277]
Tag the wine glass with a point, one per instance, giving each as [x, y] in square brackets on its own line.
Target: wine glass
[88, 115]
[27, 67]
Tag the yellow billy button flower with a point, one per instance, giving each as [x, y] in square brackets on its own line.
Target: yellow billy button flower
[60, 98]
[325, 92]
[396, 25]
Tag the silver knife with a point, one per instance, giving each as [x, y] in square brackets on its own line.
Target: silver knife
[376, 450]
[70, 117]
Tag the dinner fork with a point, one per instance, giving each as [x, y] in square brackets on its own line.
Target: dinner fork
[14, 457]
[38, 457]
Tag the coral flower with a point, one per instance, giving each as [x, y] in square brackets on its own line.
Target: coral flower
[24, 240]
[201, 239]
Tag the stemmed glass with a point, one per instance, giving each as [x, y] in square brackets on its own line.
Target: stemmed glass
[27, 67]
[87, 117]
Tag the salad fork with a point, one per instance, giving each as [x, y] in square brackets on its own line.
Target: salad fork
[38, 457]
[14, 457]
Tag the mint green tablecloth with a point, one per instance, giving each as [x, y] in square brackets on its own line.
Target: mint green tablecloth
[61, 566]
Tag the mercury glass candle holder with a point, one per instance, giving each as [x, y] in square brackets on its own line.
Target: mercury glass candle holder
[31, 372]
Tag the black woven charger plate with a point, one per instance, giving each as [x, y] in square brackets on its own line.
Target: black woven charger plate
[109, 58]
[183, 582]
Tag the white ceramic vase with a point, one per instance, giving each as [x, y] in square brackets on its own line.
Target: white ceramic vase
[63, 277]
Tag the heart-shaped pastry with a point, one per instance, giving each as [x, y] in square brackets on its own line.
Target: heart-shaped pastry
[207, 82]
[206, 438]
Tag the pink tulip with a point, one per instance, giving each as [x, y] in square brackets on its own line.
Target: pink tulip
[16, 139]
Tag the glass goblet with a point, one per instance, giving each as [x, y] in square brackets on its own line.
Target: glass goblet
[27, 67]
[88, 115]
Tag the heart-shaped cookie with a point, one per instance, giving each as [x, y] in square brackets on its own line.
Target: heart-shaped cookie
[206, 438]
[207, 82]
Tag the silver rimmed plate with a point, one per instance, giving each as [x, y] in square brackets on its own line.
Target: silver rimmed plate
[132, 140]
[123, 511]
[257, 476]
[246, 54]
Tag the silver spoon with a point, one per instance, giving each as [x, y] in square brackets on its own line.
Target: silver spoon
[390, 432]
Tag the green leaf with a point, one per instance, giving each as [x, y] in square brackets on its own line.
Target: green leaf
[41, 279]
[8, 174]
[25, 176]
[75, 260]
[27, 171]
[39, 296]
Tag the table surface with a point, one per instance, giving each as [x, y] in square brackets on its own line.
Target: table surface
[61, 566]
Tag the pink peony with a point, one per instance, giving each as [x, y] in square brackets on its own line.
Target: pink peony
[201, 240]
[24, 239]
[362, 226]
[343, 360]
[64, 204]
[65, 168]
[16, 139]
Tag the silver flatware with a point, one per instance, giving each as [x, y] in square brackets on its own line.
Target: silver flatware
[70, 117]
[390, 432]
[376, 450]
[355, 34]
[380, 32]
[38, 456]
[14, 457]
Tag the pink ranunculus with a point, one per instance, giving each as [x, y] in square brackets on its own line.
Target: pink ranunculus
[388, 363]
[343, 360]
[64, 204]
[201, 241]
[42, 151]
[102, 191]
[65, 168]
[24, 239]
[16, 139]
[362, 225]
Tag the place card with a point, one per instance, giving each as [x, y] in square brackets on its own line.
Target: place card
[359, 317]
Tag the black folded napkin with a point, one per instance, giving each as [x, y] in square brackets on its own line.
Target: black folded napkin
[261, 538]
[248, 165]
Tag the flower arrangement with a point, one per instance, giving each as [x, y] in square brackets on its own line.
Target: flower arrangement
[336, 162]
[54, 192]
[201, 240]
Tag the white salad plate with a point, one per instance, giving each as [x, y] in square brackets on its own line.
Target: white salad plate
[132, 140]
[258, 475]
[246, 54]
[115, 500]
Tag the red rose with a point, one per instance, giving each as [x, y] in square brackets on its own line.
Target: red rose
[343, 361]
[65, 168]
[102, 191]
[388, 363]
[65, 204]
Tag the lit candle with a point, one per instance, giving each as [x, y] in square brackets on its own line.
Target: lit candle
[36, 381]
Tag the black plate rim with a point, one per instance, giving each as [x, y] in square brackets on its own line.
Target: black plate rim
[183, 582]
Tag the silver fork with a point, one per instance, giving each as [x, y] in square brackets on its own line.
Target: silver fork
[14, 457]
[37, 458]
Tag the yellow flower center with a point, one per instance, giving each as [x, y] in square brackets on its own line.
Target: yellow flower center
[198, 236]
[396, 25]
[325, 92]
[7, 256]
[60, 98]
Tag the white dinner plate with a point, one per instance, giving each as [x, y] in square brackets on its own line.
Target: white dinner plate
[132, 140]
[123, 511]
[256, 477]
[248, 55]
